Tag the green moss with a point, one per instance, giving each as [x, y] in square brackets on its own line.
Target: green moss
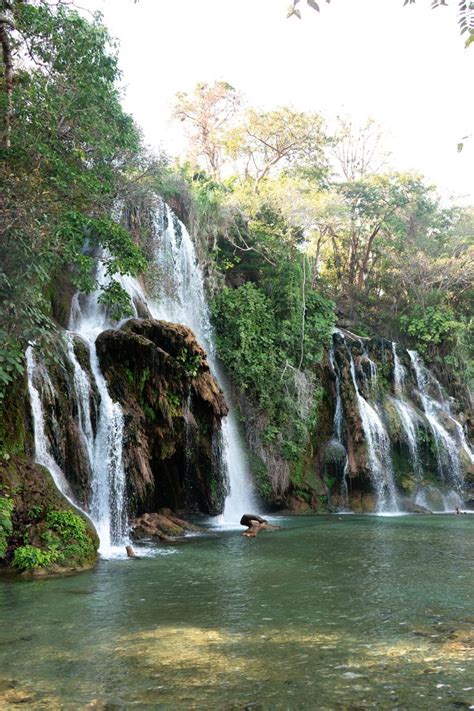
[297, 472]
[150, 414]
[403, 470]
[13, 422]
[260, 473]
[66, 542]
[6, 526]
[189, 363]
[174, 403]
[136, 379]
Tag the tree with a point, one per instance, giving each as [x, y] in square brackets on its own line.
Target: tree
[67, 148]
[267, 141]
[207, 112]
[358, 150]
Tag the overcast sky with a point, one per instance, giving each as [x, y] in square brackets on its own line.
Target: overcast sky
[406, 67]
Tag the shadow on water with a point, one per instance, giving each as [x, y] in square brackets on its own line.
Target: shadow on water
[331, 613]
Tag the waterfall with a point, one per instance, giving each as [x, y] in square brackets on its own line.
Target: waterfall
[409, 423]
[449, 465]
[407, 415]
[398, 371]
[337, 427]
[82, 388]
[38, 378]
[378, 450]
[181, 298]
[108, 507]
[372, 365]
[337, 423]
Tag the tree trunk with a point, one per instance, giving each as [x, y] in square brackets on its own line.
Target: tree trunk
[5, 23]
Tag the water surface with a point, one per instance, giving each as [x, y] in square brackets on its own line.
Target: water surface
[349, 612]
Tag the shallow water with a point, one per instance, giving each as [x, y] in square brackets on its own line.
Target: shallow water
[331, 612]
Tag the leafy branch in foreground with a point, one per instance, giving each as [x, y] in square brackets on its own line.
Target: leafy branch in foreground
[465, 16]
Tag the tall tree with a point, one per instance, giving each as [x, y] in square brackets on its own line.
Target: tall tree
[268, 141]
[69, 148]
[207, 112]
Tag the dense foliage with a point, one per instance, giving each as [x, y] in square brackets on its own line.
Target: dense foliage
[67, 149]
[6, 526]
[301, 227]
[65, 541]
[299, 239]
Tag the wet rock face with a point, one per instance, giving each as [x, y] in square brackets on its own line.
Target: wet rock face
[58, 397]
[387, 379]
[173, 409]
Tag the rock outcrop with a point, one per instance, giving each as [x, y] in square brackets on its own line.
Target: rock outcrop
[173, 409]
[163, 525]
[42, 533]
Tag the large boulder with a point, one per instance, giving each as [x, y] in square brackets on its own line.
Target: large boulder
[173, 408]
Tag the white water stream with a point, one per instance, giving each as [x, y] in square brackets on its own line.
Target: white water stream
[181, 299]
[337, 427]
[449, 465]
[38, 378]
[378, 451]
[108, 496]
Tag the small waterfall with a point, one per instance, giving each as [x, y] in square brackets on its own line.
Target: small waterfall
[407, 415]
[449, 465]
[337, 427]
[38, 378]
[108, 508]
[181, 298]
[337, 423]
[378, 446]
[82, 388]
[409, 422]
[372, 366]
[398, 371]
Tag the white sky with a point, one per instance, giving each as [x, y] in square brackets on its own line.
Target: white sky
[406, 67]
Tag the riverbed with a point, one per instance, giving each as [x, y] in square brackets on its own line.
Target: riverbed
[330, 612]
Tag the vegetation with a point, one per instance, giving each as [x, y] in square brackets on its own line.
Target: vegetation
[292, 230]
[65, 542]
[307, 225]
[6, 526]
[301, 228]
[67, 149]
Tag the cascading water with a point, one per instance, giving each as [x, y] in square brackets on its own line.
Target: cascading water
[82, 387]
[406, 413]
[378, 450]
[449, 465]
[408, 420]
[337, 427]
[108, 500]
[398, 371]
[37, 378]
[337, 423]
[181, 299]
[372, 366]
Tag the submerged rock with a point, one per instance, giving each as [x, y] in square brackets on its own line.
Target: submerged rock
[163, 525]
[412, 507]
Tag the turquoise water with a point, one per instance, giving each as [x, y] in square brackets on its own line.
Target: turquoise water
[349, 612]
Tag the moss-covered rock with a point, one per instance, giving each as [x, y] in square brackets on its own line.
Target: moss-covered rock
[31, 507]
[46, 534]
[173, 409]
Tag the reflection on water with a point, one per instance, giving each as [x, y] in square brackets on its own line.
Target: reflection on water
[329, 613]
